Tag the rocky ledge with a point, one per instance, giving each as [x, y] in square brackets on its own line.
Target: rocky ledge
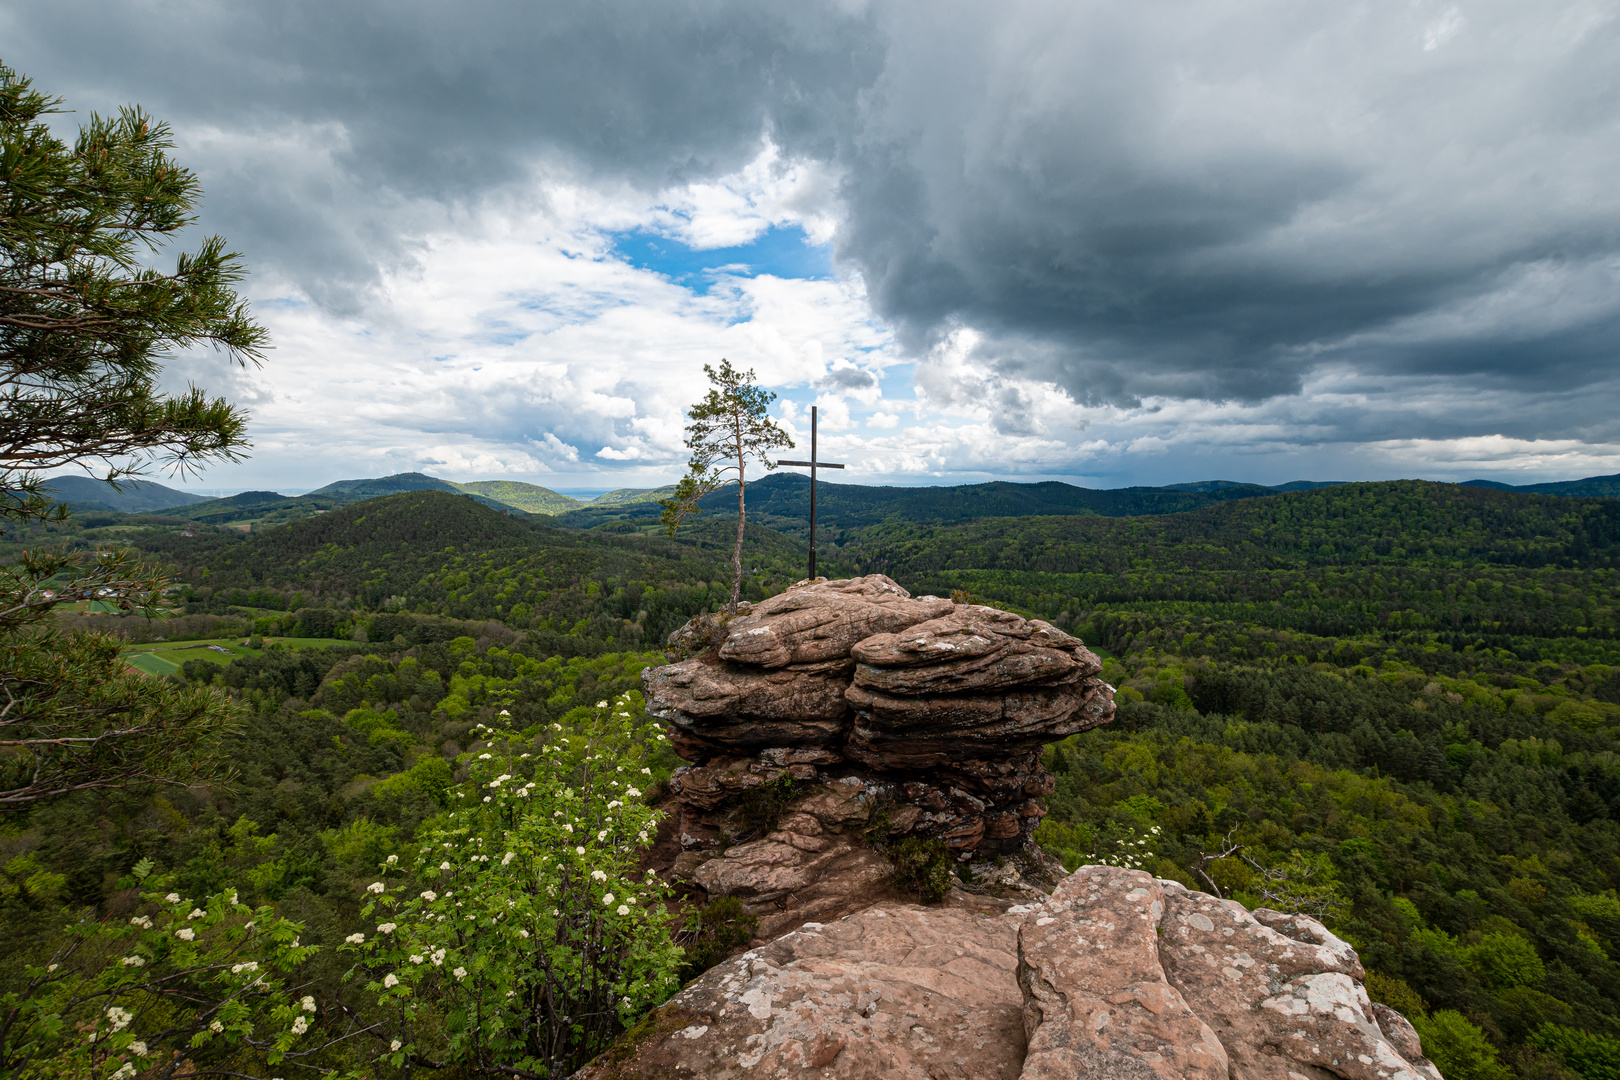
[1115, 976]
[937, 709]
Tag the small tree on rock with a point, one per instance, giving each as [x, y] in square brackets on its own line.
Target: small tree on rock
[728, 427]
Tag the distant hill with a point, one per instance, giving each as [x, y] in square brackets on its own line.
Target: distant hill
[497, 494]
[417, 544]
[260, 508]
[620, 496]
[781, 501]
[1593, 487]
[130, 497]
[385, 485]
[530, 498]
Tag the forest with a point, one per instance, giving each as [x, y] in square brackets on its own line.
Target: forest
[1393, 704]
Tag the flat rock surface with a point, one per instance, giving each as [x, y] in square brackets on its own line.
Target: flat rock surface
[1096, 1000]
[894, 992]
[1286, 999]
[823, 620]
[1115, 975]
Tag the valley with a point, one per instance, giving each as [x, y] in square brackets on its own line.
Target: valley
[1410, 690]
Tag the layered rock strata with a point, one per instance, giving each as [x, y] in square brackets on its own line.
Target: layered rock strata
[1116, 975]
[940, 707]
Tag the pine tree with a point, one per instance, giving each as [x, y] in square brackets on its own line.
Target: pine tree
[85, 327]
[728, 427]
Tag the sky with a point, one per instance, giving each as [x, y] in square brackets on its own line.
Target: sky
[1104, 243]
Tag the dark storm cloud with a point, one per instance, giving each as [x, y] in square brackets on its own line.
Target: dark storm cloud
[1181, 200]
[446, 101]
[1215, 200]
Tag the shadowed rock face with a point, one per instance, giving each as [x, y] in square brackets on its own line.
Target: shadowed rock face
[1115, 976]
[942, 707]
[736, 706]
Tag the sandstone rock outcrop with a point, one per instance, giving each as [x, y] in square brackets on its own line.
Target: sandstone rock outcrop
[824, 620]
[1121, 971]
[1115, 976]
[940, 708]
[895, 992]
[1096, 1000]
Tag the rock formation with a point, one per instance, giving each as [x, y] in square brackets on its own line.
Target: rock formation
[894, 992]
[1116, 976]
[938, 708]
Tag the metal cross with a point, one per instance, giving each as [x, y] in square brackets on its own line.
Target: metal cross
[812, 465]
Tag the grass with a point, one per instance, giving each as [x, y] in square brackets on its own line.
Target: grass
[164, 657]
[151, 665]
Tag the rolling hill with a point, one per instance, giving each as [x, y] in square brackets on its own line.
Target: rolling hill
[530, 498]
[1592, 487]
[782, 502]
[129, 497]
[621, 496]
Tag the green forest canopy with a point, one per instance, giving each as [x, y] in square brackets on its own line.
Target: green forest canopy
[1417, 683]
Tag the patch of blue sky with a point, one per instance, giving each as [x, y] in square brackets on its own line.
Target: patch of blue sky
[284, 302]
[504, 337]
[778, 251]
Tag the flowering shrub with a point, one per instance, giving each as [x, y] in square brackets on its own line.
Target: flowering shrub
[179, 988]
[527, 939]
[1114, 844]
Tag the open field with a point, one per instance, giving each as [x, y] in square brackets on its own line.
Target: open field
[165, 657]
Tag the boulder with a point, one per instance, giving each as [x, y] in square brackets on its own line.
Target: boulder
[732, 705]
[813, 864]
[919, 698]
[1282, 993]
[972, 650]
[822, 620]
[894, 992]
[917, 732]
[1404, 1038]
[1125, 975]
[710, 786]
[1115, 975]
[1096, 1000]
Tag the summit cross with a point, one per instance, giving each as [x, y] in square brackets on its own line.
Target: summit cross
[812, 465]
